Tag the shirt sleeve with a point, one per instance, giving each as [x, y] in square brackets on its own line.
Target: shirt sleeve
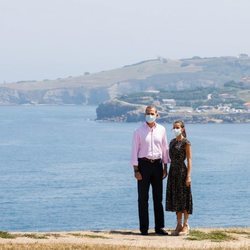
[165, 149]
[135, 149]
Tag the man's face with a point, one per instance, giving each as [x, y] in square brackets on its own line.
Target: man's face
[150, 115]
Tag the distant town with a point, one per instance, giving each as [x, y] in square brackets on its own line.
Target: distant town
[203, 105]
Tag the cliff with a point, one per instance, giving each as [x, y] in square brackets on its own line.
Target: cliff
[116, 110]
[160, 74]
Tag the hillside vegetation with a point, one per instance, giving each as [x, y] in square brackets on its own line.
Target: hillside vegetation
[228, 103]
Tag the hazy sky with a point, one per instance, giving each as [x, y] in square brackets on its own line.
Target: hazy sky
[47, 39]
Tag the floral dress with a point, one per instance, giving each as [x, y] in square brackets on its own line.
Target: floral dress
[179, 196]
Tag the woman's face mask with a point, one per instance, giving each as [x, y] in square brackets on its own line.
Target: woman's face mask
[177, 131]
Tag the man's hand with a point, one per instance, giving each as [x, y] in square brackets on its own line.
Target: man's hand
[138, 176]
[165, 173]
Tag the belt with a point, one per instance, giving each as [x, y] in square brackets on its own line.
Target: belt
[149, 160]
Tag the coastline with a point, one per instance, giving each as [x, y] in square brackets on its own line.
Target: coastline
[235, 238]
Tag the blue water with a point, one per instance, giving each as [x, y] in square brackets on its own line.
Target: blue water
[61, 170]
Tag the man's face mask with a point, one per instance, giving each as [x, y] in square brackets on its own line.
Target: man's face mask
[150, 118]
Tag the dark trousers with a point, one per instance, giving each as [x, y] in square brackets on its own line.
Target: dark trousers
[151, 174]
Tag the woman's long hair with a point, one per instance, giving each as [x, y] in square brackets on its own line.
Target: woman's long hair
[182, 126]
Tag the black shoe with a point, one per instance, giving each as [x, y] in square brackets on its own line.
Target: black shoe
[144, 232]
[161, 231]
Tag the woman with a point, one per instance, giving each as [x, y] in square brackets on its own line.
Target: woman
[179, 196]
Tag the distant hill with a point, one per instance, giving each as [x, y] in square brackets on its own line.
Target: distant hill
[156, 74]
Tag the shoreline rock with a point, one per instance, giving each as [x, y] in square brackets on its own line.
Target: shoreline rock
[120, 111]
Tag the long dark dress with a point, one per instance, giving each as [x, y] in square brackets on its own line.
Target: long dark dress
[179, 196]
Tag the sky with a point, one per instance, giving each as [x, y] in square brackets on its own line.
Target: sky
[49, 39]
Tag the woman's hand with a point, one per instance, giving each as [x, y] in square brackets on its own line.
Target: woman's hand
[165, 173]
[188, 181]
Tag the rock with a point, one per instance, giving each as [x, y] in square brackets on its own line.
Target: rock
[120, 110]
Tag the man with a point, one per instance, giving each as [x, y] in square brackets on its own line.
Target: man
[149, 159]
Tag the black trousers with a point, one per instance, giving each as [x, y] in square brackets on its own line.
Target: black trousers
[151, 174]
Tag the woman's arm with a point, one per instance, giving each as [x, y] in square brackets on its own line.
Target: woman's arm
[189, 164]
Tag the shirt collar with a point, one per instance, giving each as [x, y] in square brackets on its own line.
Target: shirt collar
[146, 125]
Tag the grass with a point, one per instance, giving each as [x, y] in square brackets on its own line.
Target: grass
[218, 235]
[95, 236]
[215, 236]
[89, 236]
[236, 231]
[35, 236]
[53, 235]
[6, 235]
[38, 246]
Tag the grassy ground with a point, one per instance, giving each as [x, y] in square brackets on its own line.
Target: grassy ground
[215, 236]
[208, 239]
[95, 247]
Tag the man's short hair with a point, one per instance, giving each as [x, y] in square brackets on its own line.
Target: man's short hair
[151, 107]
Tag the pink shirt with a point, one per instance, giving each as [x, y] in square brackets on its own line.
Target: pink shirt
[150, 143]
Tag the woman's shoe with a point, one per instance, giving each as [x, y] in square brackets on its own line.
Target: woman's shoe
[185, 230]
[177, 230]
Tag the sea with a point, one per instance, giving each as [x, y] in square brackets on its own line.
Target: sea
[61, 170]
